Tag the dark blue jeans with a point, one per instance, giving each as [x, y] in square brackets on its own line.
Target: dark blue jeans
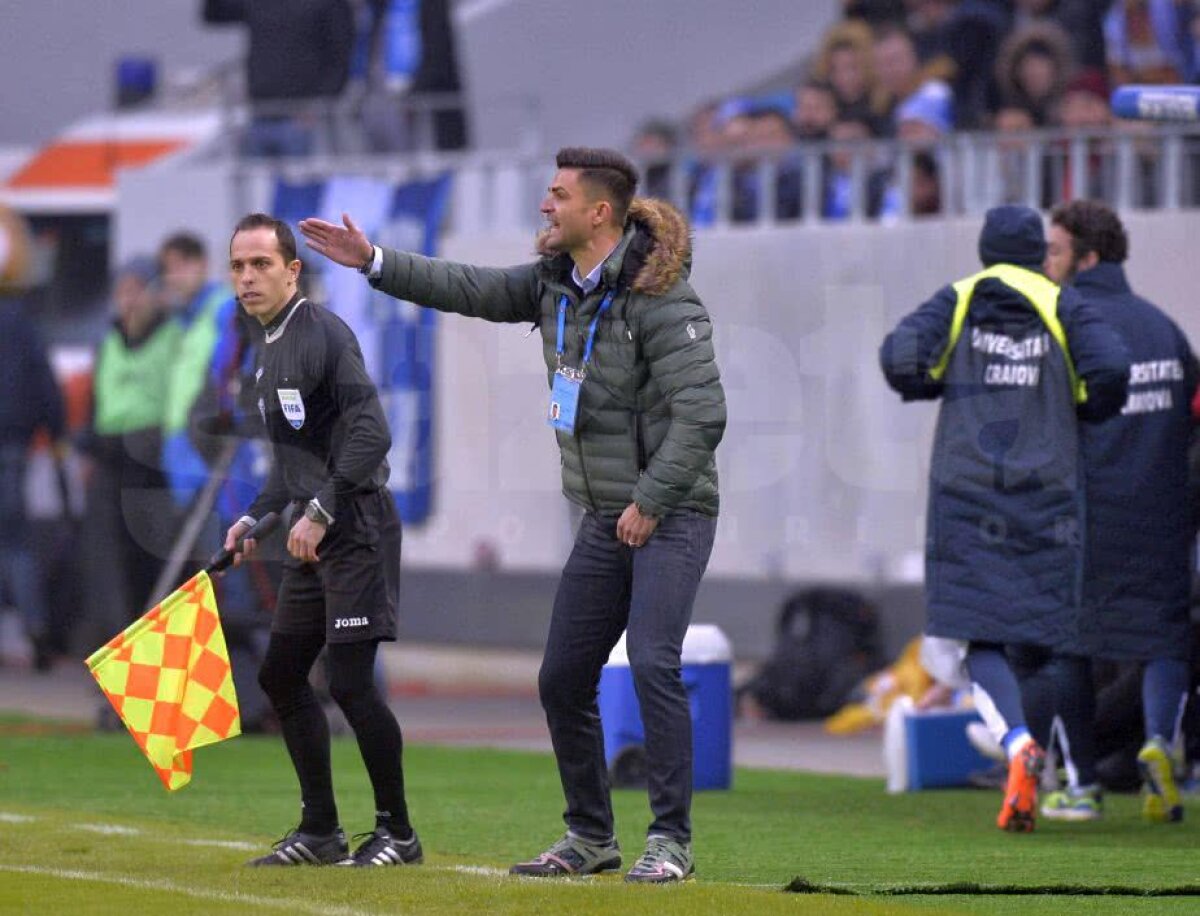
[607, 587]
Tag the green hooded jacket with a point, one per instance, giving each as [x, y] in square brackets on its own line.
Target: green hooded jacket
[652, 409]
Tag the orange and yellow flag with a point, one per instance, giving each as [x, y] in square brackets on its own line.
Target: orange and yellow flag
[169, 679]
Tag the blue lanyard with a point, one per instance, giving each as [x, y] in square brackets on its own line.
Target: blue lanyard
[591, 338]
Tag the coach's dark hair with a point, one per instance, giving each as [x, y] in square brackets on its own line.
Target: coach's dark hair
[606, 171]
[283, 232]
[185, 244]
[1093, 226]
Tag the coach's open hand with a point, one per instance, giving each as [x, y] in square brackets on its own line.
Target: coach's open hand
[304, 538]
[346, 246]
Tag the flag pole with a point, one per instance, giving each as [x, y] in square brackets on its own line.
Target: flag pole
[196, 517]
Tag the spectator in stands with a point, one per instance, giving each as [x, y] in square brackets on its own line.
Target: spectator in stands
[1085, 102]
[708, 141]
[196, 302]
[846, 62]
[900, 73]
[1084, 107]
[704, 129]
[1140, 536]
[1011, 152]
[298, 60]
[816, 110]
[438, 73]
[929, 23]
[31, 402]
[927, 115]
[1080, 20]
[1151, 41]
[1005, 501]
[1012, 120]
[973, 36]
[839, 184]
[409, 51]
[814, 115]
[129, 506]
[926, 194]
[653, 146]
[764, 134]
[1032, 69]
[922, 119]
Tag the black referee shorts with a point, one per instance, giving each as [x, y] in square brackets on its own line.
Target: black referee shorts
[352, 594]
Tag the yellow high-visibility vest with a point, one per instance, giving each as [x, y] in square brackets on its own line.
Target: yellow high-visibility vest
[1042, 294]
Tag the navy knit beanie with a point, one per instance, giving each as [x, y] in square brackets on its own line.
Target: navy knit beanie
[1012, 234]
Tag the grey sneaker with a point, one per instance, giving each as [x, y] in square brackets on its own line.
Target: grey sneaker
[1074, 805]
[307, 849]
[665, 860]
[380, 847]
[572, 855]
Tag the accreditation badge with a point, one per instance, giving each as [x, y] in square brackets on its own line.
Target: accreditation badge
[292, 405]
[564, 400]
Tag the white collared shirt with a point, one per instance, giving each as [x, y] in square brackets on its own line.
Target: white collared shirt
[592, 280]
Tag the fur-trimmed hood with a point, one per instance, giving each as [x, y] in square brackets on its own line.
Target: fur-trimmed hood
[1044, 37]
[657, 249]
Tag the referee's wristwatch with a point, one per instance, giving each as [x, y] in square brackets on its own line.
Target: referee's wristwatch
[314, 512]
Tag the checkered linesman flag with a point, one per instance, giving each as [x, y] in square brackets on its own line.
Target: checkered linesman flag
[169, 679]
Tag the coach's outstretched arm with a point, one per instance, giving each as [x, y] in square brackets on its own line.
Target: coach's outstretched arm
[493, 293]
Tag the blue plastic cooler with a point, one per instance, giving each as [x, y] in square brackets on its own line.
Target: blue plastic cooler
[707, 662]
[939, 754]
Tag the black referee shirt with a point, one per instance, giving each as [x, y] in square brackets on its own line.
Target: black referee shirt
[321, 409]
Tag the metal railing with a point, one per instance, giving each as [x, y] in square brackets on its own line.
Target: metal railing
[363, 119]
[1156, 167]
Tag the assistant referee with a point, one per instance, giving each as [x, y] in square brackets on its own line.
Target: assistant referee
[341, 577]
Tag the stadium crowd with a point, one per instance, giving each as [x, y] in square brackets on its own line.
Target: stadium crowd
[918, 71]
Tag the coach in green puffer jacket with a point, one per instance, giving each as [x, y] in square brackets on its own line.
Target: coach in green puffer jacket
[611, 297]
[653, 401]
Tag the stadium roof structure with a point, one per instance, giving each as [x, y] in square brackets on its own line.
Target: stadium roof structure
[77, 171]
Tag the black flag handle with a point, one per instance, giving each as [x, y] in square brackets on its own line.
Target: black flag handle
[223, 558]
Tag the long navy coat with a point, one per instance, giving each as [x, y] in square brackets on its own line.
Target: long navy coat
[1139, 530]
[1004, 545]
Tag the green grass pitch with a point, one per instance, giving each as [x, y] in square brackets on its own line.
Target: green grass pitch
[86, 827]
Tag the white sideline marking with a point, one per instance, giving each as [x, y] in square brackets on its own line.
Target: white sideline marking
[483, 870]
[118, 830]
[110, 829]
[279, 903]
[223, 844]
